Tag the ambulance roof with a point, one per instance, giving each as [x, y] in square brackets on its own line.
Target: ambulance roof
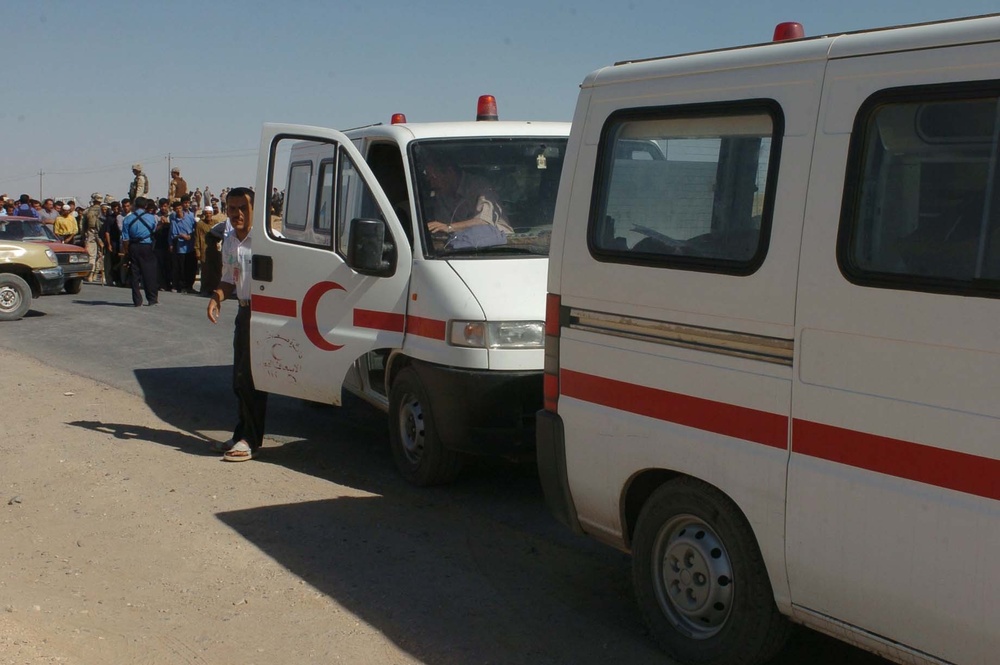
[974, 29]
[405, 132]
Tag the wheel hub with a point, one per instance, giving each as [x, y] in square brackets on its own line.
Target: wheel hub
[411, 428]
[694, 584]
[9, 298]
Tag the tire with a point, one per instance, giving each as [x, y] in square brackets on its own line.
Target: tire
[700, 580]
[420, 456]
[15, 297]
[73, 286]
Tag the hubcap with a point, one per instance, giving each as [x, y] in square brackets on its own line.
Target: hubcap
[10, 299]
[692, 577]
[411, 428]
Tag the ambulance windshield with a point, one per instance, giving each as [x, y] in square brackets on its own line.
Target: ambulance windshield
[487, 196]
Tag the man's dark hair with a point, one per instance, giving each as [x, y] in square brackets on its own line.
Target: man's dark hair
[124, 201]
[162, 201]
[24, 198]
[241, 191]
[47, 200]
[186, 198]
[142, 202]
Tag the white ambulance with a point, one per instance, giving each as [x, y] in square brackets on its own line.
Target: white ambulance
[407, 264]
[773, 341]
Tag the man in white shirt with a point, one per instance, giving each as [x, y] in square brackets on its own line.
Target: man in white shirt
[248, 436]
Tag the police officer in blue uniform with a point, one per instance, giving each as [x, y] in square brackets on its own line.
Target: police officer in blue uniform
[137, 243]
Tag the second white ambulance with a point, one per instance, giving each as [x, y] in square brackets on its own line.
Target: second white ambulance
[773, 359]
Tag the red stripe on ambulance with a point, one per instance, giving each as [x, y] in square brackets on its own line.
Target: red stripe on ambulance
[367, 318]
[761, 427]
[948, 469]
[276, 306]
[432, 328]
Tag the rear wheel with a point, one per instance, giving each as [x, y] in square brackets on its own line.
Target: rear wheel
[700, 579]
[73, 286]
[419, 454]
[15, 297]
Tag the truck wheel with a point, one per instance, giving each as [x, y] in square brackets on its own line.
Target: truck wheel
[73, 286]
[700, 580]
[15, 297]
[419, 454]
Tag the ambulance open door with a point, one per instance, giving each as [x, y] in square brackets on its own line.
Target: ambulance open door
[331, 264]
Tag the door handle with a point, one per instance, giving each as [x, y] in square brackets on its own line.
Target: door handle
[262, 268]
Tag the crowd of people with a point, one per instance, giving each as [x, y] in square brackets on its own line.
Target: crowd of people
[186, 232]
[164, 244]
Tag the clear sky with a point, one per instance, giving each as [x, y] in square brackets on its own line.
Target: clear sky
[92, 87]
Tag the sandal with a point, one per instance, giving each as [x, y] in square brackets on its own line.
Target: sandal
[240, 452]
[223, 446]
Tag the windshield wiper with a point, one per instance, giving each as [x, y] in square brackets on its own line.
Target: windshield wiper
[489, 249]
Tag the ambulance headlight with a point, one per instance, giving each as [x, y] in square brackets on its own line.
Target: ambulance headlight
[498, 334]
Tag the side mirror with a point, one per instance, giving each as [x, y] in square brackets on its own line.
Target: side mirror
[370, 250]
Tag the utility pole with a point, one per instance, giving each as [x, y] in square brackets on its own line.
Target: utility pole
[168, 172]
[40, 184]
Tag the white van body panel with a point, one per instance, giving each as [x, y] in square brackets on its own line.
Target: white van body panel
[893, 364]
[875, 497]
[499, 289]
[762, 304]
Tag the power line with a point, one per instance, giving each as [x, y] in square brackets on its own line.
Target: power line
[202, 155]
[220, 154]
[242, 153]
[18, 178]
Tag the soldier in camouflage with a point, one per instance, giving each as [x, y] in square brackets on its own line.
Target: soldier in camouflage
[90, 223]
[140, 184]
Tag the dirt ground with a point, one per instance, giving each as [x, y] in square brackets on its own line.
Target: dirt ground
[112, 548]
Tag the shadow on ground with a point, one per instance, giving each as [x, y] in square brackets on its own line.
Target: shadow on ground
[194, 444]
[474, 572]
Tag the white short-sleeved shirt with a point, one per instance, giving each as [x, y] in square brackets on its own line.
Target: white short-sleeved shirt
[236, 257]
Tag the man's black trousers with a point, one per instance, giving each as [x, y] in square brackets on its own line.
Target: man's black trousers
[143, 262]
[252, 402]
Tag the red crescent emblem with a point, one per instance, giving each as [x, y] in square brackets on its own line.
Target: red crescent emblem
[309, 324]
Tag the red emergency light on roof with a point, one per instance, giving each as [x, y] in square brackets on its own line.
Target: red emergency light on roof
[487, 108]
[789, 30]
[397, 118]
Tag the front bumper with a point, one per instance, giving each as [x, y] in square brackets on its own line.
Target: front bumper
[75, 270]
[483, 412]
[50, 280]
[550, 449]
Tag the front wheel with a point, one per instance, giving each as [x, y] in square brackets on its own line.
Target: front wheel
[15, 297]
[74, 285]
[700, 579]
[419, 454]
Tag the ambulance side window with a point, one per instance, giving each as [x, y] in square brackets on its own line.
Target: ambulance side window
[922, 196]
[307, 214]
[297, 196]
[325, 204]
[687, 187]
[355, 200]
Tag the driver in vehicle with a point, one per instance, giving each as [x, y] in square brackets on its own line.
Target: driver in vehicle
[465, 207]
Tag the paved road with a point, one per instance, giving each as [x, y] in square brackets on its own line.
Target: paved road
[177, 361]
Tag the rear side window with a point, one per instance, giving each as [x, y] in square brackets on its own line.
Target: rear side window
[921, 199]
[687, 187]
[297, 196]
